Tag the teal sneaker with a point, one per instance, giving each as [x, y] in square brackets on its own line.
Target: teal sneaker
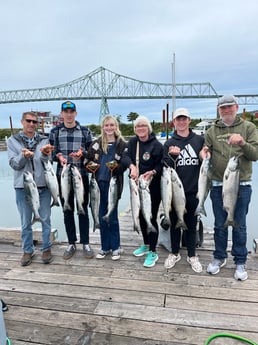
[143, 249]
[151, 259]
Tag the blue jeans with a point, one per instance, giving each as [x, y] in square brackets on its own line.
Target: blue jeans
[109, 232]
[26, 216]
[239, 233]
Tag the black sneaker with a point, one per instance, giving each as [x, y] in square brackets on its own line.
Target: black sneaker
[4, 306]
[69, 252]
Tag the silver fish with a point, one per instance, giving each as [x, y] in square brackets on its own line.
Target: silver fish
[32, 195]
[166, 193]
[51, 181]
[203, 186]
[178, 199]
[145, 199]
[112, 197]
[94, 201]
[66, 186]
[78, 189]
[135, 204]
[230, 189]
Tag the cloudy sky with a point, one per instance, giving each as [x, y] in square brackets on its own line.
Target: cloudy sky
[50, 42]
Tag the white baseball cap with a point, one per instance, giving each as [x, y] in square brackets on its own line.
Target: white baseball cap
[181, 112]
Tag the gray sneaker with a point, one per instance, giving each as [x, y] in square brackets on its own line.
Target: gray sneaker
[69, 252]
[215, 266]
[87, 251]
[240, 273]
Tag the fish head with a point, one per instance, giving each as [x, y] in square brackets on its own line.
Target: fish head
[233, 163]
[27, 176]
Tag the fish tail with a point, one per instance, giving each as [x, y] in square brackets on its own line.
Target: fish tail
[200, 210]
[55, 203]
[106, 218]
[181, 224]
[36, 219]
[67, 207]
[230, 222]
[151, 228]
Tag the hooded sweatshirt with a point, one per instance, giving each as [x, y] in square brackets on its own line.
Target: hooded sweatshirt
[216, 139]
[187, 163]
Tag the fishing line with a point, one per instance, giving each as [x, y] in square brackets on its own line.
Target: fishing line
[229, 335]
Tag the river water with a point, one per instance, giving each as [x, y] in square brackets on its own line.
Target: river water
[9, 216]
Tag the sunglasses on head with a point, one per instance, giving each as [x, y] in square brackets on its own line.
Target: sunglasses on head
[68, 106]
[31, 121]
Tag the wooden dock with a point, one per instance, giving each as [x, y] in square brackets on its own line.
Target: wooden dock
[105, 302]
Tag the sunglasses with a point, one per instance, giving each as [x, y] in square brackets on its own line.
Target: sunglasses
[31, 121]
[68, 106]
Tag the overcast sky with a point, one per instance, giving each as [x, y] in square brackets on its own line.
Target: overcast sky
[50, 42]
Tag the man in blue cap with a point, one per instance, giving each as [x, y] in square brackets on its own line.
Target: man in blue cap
[71, 142]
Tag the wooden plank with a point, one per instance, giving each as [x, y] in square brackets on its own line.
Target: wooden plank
[120, 326]
[14, 235]
[140, 285]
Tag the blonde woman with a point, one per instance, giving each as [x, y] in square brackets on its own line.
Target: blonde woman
[106, 151]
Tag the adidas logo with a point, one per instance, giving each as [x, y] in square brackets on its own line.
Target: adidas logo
[187, 157]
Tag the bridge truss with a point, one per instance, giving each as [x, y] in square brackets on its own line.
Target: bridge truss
[103, 84]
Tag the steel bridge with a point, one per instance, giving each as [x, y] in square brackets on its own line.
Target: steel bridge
[103, 84]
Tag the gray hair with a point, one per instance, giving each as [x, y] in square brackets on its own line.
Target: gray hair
[144, 120]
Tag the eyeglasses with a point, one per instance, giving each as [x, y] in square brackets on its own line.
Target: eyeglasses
[31, 121]
[141, 126]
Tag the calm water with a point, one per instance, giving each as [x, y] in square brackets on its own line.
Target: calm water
[10, 217]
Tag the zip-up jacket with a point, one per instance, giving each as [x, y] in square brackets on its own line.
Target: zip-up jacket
[19, 163]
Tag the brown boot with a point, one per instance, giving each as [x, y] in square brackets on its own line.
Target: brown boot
[47, 256]
[26, 259]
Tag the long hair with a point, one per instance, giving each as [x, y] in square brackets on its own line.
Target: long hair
[103, 136]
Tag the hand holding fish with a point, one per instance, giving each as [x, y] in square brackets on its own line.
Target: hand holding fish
[76, 156]
[47, 149]
[205, 153]
[134, 173]
[27, 153]
[174, 150]
[62, 159]
[148, 175]
[236, 139]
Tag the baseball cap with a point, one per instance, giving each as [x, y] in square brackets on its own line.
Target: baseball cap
[181, 112]
[68, 105]
[227, 100]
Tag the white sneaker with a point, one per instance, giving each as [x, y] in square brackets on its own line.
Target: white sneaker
[101, 255]
[195, 263]
[171, 260]
[215, 266]
[115, 255]
[240, 273]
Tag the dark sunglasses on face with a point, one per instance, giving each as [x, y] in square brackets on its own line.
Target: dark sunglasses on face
[31, 121]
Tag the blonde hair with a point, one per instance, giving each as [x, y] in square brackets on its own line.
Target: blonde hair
[144, 120]
[103, 136]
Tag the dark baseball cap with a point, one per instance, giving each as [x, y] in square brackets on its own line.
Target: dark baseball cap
[68, 105]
